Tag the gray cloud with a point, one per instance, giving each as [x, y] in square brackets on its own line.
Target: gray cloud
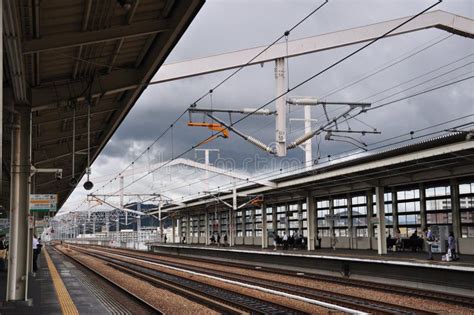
[224, 26]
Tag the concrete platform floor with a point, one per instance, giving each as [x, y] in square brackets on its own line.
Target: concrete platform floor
[402, 256]
[42, 295]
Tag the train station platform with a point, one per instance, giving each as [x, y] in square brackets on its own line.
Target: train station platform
[403, 268]
[58, 287]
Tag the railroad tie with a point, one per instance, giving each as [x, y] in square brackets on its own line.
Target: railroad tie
[66, 303]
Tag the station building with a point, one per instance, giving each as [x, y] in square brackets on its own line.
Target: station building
[426, 184]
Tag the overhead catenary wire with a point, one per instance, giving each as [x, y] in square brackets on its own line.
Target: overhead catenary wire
[301, 83]
[420, 93]
[411, 87]
[403, 57]
[392, 102]
[222, 82]
[431, 45]
[272, 174]
[385, 67]
[256, 179]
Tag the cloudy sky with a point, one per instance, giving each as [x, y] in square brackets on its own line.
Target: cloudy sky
[228, 25]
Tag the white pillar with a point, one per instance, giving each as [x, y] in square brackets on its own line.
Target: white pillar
[121, 201]
[173, 230]
[179, 226]
[280, 106]
[311, 217]
[206, 227]
[19, 208]
[381, 240]
[308, 149]
[188, 229]
[160, 221]
[93, 224]
[206, 174]
[232, 226]
[264, 227]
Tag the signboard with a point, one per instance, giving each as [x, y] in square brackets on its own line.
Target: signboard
[374, 220]
[43, 203]
[332, 217]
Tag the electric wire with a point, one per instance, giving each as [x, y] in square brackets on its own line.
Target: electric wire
[297, 85]
[254, 179]
[409, 88]
[293, 171]
[271, 173]
[403, 57]
[385, 104]
[286, 33]
[385, 67]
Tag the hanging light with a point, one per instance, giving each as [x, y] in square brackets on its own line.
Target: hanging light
[125, 4]
[73, 181]
[88, 185]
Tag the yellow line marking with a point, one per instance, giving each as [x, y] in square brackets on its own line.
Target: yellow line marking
[67, 305]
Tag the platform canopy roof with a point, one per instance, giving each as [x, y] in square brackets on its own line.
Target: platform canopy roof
[61, 55]
[431, 160]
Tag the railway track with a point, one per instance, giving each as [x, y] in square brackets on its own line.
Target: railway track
[388, 288]
[345, 301]
[147, 306]
[219, 299]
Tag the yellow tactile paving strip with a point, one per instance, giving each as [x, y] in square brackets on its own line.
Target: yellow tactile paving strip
[67, 305]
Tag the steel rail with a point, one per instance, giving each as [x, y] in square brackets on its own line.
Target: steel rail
[344, 300]
[394, 289]
[223, 300]
[114, 284]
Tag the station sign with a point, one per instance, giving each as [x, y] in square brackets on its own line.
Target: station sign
[332, 217]
[43, 202]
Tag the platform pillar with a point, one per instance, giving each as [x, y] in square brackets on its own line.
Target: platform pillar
[300, 218]
[422, 207]
[206, 228]
[274, 219]
[188, 229]
[311, 217]
[351, 228]
[243, 224]
[180, 233]
[264, 226]
[394, 210]
[455, 208]
[370, 212]
[232, 226]
[173, 230]
[280, 105]
[19, 208]
[381, 241]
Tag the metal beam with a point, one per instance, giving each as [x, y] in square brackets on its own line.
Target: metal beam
[449, 22]
[49, 96]
[65, 135]
[58, 157]
[159, 48]
[44, 120]
[65, 40]
[405, 158]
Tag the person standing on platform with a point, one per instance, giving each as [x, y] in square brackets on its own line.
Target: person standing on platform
[36, 251]
[3, 252]
[225, 239]
[285, 241]
[275, 239]
[166, 238]
[428, 235]
[452, 247]
[398, 239]
[218, 240]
